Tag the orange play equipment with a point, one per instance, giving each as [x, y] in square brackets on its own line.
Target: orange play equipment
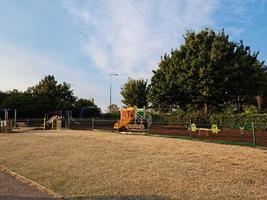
[127, 115]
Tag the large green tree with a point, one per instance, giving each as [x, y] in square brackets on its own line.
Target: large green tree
[134, 92]
[51, 95]
[206, 70]
[47, 96]
[23, 102]
[166, 91]
[113, 108]
[3, 95]
[88, 107]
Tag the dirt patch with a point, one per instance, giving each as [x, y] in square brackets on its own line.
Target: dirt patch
[98, 165]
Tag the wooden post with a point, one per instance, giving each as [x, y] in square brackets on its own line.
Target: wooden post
[52, 124]
[15, 119]
[93, 121]
[6, 114]
[10, 128]
[190, 130]
[44, 123]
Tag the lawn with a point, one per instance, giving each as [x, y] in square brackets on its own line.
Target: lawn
[99, 165]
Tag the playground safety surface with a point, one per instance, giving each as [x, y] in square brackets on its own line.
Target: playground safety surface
[102, 165]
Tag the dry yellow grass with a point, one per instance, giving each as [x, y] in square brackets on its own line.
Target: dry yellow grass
[97, 165]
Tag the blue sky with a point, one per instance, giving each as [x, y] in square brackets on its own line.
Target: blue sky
[81, 42]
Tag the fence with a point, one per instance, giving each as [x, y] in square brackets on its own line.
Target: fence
[244, 134]
[93, 123]
[6, 126]
[33, 122]
[248, 133]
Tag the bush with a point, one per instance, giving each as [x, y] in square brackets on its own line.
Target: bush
[229, 109]
[250, 109]
[224, 121]
[235, 121]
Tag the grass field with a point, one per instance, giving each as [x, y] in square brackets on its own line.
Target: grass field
[98, 165]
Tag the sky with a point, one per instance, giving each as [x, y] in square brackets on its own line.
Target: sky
[82, 41]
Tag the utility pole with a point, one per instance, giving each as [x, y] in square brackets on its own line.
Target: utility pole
[110, 88]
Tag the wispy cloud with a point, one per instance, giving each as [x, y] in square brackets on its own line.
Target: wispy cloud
[130, 36]
[21, 67]
[236, 16]
[124, 36]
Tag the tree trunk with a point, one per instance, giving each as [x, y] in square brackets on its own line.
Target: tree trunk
[238, 105]
[259, 100]
[205, 107]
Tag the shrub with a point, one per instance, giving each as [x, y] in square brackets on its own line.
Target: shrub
[250, 109]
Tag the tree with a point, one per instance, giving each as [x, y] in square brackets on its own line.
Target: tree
[21, 101]
[134, 93]
[3, 95]
[208, 69]
[262, 94]
[247, 77]
[46, 96]
[165, 90]
[51, 96]
[113, 108]
[90, 109]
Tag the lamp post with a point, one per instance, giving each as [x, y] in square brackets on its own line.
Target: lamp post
[110, 88]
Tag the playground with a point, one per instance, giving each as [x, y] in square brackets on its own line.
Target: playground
[104, 165]
[139, 120]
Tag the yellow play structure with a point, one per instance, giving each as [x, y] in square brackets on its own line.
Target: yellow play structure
[133, 119]
[214, 128]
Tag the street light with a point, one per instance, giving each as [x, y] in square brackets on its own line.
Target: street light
[110, 88]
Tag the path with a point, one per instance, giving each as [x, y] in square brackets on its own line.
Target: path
[13, 189]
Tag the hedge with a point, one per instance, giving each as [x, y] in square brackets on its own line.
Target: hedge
[225, 121]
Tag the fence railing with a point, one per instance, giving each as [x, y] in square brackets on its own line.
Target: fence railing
[243, 133]
[6, 126]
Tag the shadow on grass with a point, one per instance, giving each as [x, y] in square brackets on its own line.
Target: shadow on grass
[121, 197]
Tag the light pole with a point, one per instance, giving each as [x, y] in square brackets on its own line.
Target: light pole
[110, 88]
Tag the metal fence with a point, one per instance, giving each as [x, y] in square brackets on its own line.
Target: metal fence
[245, 134]
[93, 123]
[6, 126]
[249, 134]
[33, 122]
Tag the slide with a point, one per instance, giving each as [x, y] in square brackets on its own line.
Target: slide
[122, 123]
[73, 120]
[52, 119]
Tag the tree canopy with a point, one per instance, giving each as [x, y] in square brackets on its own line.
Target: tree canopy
[208, 69]
[91, 109]
[113, 108]
[46, 96]
[51, 95]
[134, 93]
[3, 95]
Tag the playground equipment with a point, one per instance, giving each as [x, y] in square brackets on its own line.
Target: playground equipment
[64, 119]
[214, 128]
[58, 120]
[7, 125]
[133, 119]
[53, 120]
